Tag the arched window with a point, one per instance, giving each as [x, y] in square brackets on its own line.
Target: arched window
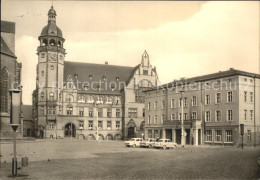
[52, 42]
[51, 96]
[59, 43]
[81, 99]
[44, 42]
[4, 90]
[69, 98]
[142, 126]
[42, 95]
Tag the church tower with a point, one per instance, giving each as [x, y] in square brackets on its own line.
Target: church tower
[50, 67]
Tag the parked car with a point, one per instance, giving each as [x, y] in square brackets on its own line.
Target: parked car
[133, 142]
[148, 142]
[165, 143]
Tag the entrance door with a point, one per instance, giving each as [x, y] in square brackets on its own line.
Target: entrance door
[199, 136]
[187, 136]
[131, 132]
[169, 134]
[178, 136]
[70, 130]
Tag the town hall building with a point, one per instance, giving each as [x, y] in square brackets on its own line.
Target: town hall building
[75, 99]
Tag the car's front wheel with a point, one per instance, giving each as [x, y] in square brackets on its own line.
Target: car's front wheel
[164, 147]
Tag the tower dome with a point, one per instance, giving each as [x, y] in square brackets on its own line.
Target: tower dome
[51, 29]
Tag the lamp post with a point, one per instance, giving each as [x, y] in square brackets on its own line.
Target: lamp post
[14, 122]
[182, 125]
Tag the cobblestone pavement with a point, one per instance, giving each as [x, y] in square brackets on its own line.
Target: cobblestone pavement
[70, 159]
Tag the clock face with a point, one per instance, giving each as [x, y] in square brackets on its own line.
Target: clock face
[52, 57]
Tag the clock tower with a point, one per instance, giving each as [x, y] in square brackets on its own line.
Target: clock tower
[49, 81]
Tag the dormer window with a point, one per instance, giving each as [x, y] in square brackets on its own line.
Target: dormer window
[52, 67]
[85, 87]
[90, 76]
[145, 72]
[104, 78]
[117, 78]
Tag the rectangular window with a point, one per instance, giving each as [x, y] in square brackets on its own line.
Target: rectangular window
[229, 115]
[109, 112]
[69, 110]
[180, 102]
[117, 112]
[249, 135]
[90, 124]
[245, 114]
[207, 99]
[208, 135]
[173, 116]
[132, 112]
[155, 105]
[42, 110]
[228, 134]
[251, 114]
[218, 135]
[185, 116]
[245, 96]
[100, 124]
[218, 116]
[143, 112]
[155, 119]
[163, 118]
[180, 116]
[51, 110]
[218, 98]
[163, 104]
[149, 106]
[194, 115]
[149, 120]
[81, 124]
[207, 116]
[194, 101]
[251, 97]
[51, 125]
[90, 112]
[81, 111]
[173, 103]
[185, 102]
[100, 112]
[230, 96]
[109, 124]
[117, 125]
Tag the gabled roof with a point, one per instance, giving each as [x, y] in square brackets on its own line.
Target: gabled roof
[108, 75]
[27, 112]
[5, 49]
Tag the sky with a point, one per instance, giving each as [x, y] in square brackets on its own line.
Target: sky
[182, 38]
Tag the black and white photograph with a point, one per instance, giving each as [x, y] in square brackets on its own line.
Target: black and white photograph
[129, 89]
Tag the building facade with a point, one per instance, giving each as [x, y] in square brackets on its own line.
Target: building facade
[82, 100]
[214, 106]
[10, 77]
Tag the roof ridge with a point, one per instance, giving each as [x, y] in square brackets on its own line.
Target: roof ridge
[99, 64]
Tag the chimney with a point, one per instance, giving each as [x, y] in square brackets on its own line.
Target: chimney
[106, 62]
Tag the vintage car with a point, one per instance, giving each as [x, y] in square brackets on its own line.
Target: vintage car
[133, 142]
[165, 143]
[148, 142]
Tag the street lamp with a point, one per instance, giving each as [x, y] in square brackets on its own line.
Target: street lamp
[15, 122]
[182, 125]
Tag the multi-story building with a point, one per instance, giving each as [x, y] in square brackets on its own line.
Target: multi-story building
[214, 106]
[10, 77]
[78, 99]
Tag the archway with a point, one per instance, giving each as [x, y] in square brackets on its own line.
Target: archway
[131, 132]
[70, 130]
[109, 137]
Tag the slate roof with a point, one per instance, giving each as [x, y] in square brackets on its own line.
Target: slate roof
[27, 112]
[8, 27]
[5, 49]
[103, 75]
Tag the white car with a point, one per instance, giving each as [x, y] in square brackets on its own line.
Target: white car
[165, 143]
[148, 143]
[133, 142]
